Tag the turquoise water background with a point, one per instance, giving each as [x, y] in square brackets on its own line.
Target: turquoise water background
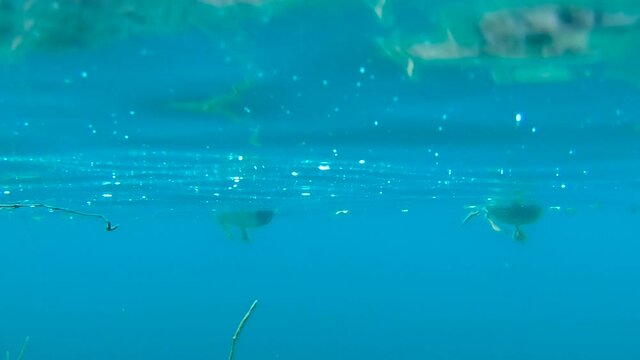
[370, 173]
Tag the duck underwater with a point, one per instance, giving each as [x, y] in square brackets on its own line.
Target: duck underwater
[515, 213]
[243, 220]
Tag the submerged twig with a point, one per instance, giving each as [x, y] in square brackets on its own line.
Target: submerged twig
[24, 349]
[55, 208]
[240, 326]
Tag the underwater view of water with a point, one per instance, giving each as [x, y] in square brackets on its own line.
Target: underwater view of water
[388, 179]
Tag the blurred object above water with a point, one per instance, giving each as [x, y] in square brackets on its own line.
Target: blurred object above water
[34, 25]
[521, 42]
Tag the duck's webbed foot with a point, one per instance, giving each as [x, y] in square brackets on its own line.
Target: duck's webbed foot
[244, 235]
[494, 226]
[227, 231]
[472, 214]
[519, 235]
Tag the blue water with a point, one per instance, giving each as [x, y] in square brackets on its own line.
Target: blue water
[370, 173]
